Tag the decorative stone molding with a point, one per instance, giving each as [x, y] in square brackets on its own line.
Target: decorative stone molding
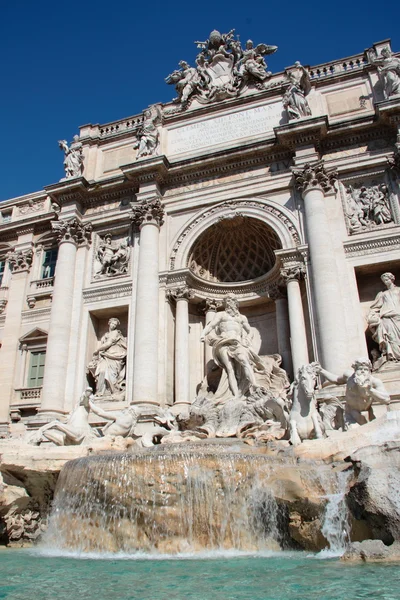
[107, 292]
[273, 215]
[31, 301]
[31, 207]
[148, 212]
[3, 304]
[180, 293]
[72, 230]
[293, 271]
[20, 260]
[368, 246]
[315, 176]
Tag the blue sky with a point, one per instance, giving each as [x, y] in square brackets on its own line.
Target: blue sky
[65, 64]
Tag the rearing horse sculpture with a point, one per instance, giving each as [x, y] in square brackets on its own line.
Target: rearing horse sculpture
[304, 419]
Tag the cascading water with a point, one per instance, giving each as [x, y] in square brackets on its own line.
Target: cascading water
[175, 499]
[335, 527]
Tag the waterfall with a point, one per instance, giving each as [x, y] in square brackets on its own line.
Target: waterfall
[335, 527]
[166, 500]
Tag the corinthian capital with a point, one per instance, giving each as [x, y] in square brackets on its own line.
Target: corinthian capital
[148, 212]
[20, 260]
[315, 175]
[293, 271]
[180, 293]
[72, 230]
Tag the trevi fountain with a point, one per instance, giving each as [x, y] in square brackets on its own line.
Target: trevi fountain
[200, 330]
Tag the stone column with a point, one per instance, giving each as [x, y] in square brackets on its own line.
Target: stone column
[181, 295]
[314, 181]
[20, 262]
[283, 330]
[149, 216]
[71, 233]
[298, 339]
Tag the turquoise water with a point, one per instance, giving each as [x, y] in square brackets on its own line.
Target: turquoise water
[25, 574]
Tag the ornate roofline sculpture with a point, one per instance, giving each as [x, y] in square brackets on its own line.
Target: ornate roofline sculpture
[223, 70]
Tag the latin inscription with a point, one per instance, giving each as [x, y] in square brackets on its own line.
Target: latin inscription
[220, 130]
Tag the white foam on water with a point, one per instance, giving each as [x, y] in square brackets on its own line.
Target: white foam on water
[202, 555]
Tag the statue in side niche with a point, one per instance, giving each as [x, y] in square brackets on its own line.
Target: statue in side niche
[108, 363]
[389, 71]
[362, 390]
[148, 135]
[295, 97]
[384, 319]
[74, 432]
[73, 161]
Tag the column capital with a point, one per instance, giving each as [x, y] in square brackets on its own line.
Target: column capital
[293, 271]
[315, 176]
[20, 260]
[180, 293]
[72, 230]
[151, 211]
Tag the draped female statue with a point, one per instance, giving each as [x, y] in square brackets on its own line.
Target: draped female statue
[108, 363]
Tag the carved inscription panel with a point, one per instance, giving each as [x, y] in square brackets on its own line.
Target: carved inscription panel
[225, 129]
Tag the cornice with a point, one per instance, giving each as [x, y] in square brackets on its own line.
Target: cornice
[107, 292]
[371, 245]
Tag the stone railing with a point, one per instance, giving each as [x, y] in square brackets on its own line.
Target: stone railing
[40, 284]
[341, 66]
[29, 395]
[120, 126]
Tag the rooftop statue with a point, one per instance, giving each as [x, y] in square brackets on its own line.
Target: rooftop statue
[295, 97]
[389, 71]
[384, 319]
[148, 135]
[73, 161]
[223, 69]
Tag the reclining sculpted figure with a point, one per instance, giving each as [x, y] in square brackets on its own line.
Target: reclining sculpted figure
[72, 433]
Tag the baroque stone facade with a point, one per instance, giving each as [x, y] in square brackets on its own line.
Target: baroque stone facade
[282, 189]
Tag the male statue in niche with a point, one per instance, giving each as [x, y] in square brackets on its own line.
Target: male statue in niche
[231, 348]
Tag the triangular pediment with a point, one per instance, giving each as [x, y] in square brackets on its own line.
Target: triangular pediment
[35, 335]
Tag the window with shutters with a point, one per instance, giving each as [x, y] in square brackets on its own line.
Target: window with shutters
[36, 368]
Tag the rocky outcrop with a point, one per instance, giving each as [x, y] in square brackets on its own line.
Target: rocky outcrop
[371, 551]
[374, 498]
